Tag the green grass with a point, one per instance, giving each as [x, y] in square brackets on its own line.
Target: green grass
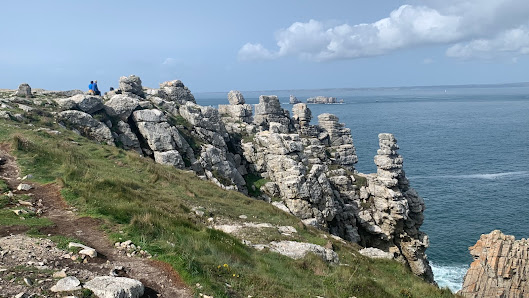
[9, 218]
[151, 204]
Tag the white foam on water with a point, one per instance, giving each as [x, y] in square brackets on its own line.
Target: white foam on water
[491, 176]
[449, 276]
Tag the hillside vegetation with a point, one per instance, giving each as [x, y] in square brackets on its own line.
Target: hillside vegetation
[169, 213]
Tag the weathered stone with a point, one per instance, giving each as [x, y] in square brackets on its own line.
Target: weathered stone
[298, 250]
[235, 98]
[152, 115]
[87, 126]
[24, 90]
[115, 287]
[24, 187]
[500, 267]
[171, 157]
[131, 84]
[175, 91]
[269, 110]
[121, 105]
[85, 103]
[67, 284]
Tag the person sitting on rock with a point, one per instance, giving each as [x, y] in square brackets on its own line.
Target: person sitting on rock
[91, 88]
[96, 90]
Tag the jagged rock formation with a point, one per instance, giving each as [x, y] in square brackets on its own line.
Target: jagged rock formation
[321, 100]
[237, 111]
[500, 267]
[269, 110]
[294, 100]
[310, 168]
[24, 90]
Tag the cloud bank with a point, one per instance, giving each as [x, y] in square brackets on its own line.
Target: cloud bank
[471, 29]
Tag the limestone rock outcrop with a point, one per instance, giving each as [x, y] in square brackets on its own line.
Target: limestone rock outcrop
[237, 110]
[500, 267]
[131, 84]
[269, 110]
[309, 168]
[87, 126]
[85, 103]
[173, 91]
[24, 90]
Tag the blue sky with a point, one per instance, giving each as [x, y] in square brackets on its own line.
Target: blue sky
[264, 45]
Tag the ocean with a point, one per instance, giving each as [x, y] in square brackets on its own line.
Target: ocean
[465, 149]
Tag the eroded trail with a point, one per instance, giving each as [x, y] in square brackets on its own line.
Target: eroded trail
[159, 278]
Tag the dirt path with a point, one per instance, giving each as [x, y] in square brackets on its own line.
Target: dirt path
[159, 278]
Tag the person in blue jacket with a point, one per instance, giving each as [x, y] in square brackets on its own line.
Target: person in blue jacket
[91, 87]
[96, 90]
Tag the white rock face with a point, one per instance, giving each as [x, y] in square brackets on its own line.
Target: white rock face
[85, 250]
[153, 115]
[298, 250]
[87, 126]
[121, 105]
[235, 98]
[131, 84]
[115, 287]
[85, 103]
[375, 253]
[67, 284]
[24, 187]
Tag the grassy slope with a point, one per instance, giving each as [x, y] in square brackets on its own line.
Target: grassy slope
[151, 203]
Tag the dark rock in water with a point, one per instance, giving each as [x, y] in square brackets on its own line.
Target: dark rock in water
[499, 269]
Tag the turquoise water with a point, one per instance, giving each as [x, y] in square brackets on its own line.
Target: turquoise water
[466, 151]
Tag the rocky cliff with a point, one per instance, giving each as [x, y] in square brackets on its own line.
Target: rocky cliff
[500, 267]
[307, 170]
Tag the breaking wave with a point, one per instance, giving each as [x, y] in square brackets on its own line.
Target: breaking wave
[492, 176]
[449, 276]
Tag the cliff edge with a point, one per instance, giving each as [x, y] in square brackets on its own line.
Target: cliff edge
[500, 267]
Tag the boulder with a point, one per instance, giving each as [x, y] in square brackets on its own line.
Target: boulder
[67, 284]
[171, 157]
[121, 105]
[87, 126]
[153, 115]
[375, 253]
[131, 84]
[85, 103]
[24, 90]
[298, 250]
[175, 91]
[235, 98]
[115, 287]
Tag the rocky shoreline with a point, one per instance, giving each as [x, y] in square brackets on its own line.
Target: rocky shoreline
[307, 170]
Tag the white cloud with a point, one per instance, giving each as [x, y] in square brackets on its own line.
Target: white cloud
[255, 52]
[169, 61]
[510, 42]
[465, 23]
